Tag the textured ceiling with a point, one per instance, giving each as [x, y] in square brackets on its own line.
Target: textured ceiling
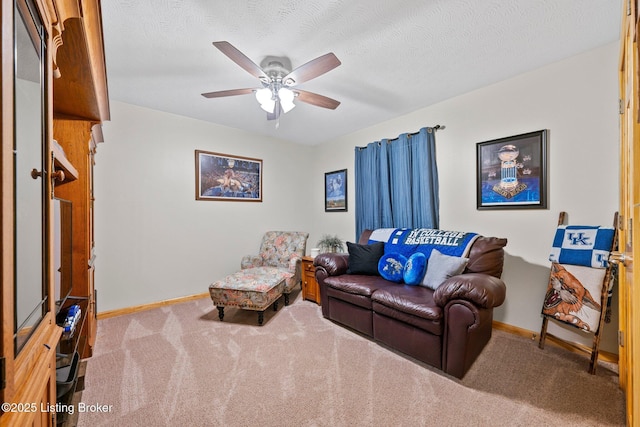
[396, 57]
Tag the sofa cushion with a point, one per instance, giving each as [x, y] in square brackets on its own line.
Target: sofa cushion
[357, 284]
[391, 266]
[410, 304]
[415, 269]
[363, 259]
[441, 267]
[487, 256]
[355, 288]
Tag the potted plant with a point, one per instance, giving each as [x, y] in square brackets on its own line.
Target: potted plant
[330, 243]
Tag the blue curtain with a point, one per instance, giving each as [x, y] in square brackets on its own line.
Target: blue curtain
[397, 183]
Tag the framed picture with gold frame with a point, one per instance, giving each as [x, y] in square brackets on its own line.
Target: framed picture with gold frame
[512, 172]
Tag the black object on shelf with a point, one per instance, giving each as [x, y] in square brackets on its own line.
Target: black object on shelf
[67, 375]
[69, 351]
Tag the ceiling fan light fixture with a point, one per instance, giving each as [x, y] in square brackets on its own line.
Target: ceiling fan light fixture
[265, 98]
[286, 97]
[269, 106]
[276, 77]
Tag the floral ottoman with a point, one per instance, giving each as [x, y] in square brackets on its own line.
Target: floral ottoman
[251, 289]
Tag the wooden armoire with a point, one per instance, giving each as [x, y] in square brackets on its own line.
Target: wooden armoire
[54, 100]
[629, 231]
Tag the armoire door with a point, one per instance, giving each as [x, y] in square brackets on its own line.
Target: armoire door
[629, 232]
[29, 334]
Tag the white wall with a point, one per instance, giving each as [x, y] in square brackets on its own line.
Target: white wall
[577, 101]
[155, 242]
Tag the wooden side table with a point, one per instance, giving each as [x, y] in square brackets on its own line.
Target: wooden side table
[310, 287]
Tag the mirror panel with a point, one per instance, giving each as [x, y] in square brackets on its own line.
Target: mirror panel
[30, 174]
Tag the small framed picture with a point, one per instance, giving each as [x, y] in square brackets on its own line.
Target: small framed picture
[226, 177]
[335, 191]
[512, 172]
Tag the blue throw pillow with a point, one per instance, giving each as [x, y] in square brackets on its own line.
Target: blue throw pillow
[415, 268]
[391, 266]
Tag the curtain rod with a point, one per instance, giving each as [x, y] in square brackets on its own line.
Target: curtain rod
[435, 128]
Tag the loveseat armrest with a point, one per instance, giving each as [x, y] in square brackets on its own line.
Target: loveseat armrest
[483, 290]
[295, 263]
[334, 264]
[295, 267]
[251, 261]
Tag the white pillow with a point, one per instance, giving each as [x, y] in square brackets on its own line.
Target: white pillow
[440, 267]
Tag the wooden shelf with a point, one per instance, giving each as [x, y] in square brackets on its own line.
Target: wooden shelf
[60, 163]
[80, 89]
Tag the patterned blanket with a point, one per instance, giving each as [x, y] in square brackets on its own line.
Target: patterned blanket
[582, 245]
[574, 295]
[406, 241]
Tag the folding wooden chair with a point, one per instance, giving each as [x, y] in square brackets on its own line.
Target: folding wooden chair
[568, 299]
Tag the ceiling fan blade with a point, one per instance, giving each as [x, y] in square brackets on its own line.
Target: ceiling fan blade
[232, 92]
[311, 70]
[241, 59]
[317, 100]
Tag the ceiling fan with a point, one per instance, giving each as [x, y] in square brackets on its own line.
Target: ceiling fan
[278, 81]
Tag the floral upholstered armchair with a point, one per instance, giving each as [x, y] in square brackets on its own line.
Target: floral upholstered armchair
[284, 250]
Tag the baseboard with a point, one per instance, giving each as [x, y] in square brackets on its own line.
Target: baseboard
[143, 307]
[574, 347]
[604, 356]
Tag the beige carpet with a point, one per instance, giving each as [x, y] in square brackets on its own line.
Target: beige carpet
[179, 365]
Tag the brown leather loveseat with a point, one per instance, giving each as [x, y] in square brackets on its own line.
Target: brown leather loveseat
[446, 328]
